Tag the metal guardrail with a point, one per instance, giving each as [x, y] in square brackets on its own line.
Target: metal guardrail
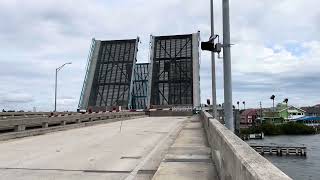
[21, 124]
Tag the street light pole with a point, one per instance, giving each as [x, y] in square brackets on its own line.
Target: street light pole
[55, 92]
[228, 111]
[56, 85]
[213, 65]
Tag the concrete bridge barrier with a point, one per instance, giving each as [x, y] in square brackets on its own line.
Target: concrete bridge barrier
[16, 115]
[22, 127]
[234, 158]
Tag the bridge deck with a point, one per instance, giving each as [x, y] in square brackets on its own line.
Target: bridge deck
[97, 152]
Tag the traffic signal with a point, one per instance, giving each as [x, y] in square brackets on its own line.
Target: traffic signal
[207, 46]
[210, 46]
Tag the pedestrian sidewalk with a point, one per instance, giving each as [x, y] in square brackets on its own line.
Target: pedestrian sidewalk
[189, 157]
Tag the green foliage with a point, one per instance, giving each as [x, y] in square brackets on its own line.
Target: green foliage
[296, 128]
[251, 130]
[271, 129]
[290, 128]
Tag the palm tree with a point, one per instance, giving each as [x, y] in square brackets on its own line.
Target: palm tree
[238, 104]
[273, 97]
[244, 105]
[286, 101]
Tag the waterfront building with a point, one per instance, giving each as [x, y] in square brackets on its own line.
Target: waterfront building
[248, 118]
[291, 113]
[312, 110]
[312, 121]
[282, 114]
[272, 117]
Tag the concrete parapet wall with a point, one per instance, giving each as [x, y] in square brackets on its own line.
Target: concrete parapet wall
[22, 124]
[45, 129]
[234, 158]
[15, 115]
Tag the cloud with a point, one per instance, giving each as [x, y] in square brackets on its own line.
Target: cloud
[276, 48]
[16, 98]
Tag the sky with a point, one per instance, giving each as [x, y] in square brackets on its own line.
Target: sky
[276, 46]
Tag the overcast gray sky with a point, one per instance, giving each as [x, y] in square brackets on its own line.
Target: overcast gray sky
[277, 46]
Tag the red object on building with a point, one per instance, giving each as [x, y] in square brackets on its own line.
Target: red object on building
[248, 118]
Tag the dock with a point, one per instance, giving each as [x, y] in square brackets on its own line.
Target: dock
[280, 150]
[252, 136]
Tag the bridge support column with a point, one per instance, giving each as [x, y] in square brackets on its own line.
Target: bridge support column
[63, 123]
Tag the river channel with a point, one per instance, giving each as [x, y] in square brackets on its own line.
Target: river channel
[297, 167]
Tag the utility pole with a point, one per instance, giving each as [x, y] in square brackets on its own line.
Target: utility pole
[213, 66]
[228, 111]
[260, 113]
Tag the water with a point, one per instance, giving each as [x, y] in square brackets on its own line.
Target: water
[297, 167]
